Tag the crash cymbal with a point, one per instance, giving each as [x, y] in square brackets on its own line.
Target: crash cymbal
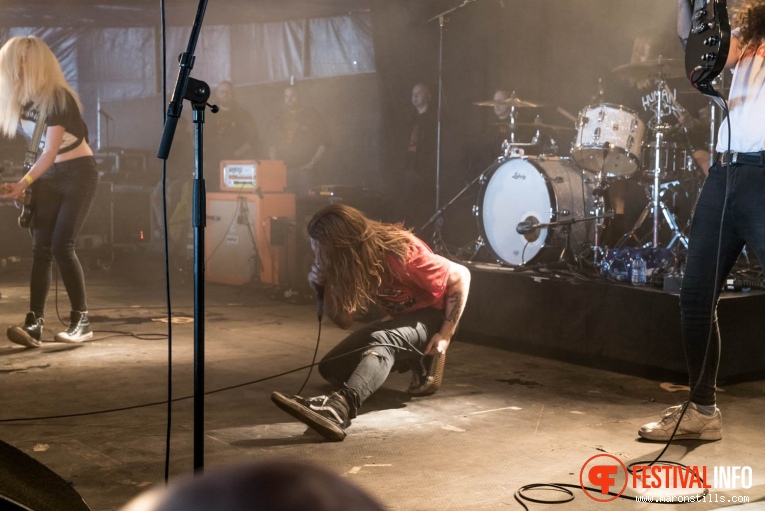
[511, 101]
[538, 125]
[658, 68]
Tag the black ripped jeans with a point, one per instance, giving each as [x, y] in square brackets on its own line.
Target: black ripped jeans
[62, 198]
[362, 361]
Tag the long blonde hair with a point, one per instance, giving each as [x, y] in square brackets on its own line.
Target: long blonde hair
[353, 252]
[30, 74]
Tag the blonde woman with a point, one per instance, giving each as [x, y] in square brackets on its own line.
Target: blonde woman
[360, 261]
[63, 178]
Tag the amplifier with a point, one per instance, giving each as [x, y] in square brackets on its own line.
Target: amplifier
[243, 240]
[253, 176]
[340, 193]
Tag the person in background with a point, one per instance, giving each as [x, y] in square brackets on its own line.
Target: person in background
[729, 214]
[420, 159]
[359, 262]
[300, 138]
[233, 134]
[180, 175]
[276, 485]
[63, 179]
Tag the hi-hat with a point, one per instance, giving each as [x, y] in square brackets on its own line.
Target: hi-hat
[538, 125]
[658, 68]
[511, 101]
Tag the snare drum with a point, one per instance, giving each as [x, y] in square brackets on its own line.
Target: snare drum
[609, 139]
[674, 161]
[536, 190]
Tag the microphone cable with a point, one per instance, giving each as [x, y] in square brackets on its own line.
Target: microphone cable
[716, 290]
[163, 38]
[520, 495]
[319, 316]
[207, 393]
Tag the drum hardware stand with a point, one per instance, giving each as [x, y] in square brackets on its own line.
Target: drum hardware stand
[600, 207]
[441, 18]
[600, 211]
[528, 227]
[656, 204]
[438, 219]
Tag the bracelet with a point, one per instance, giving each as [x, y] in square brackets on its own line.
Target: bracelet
[29, 179]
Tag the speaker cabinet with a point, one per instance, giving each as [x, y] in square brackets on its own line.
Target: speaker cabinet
[132, 215]
[15, 242]
[119, 217]
[28, 485]
[246, 238]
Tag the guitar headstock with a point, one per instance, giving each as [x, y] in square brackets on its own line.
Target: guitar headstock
[708, 43]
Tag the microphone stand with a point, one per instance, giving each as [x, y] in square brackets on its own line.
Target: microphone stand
[527, 227]
[441, 21]
[197, 92]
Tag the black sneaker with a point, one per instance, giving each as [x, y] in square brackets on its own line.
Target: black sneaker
[79, 328]
[30, 334]
[426, 379]
[327, 415]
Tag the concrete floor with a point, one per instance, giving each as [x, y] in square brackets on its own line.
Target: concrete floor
[501, 420]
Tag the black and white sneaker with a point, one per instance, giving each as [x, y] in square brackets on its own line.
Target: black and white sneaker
[327, 415]
[79, 328]
[30, 334]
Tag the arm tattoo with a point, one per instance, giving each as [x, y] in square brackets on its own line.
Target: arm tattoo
[454, 307]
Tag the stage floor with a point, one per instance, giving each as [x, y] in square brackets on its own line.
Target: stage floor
[502, 419]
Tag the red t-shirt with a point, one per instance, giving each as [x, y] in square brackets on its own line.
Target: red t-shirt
[419, 283]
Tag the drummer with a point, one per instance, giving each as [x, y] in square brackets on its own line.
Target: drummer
[684, 114]
[638, 93]
[500, 131]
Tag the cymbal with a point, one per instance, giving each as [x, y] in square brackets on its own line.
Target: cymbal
[539, 125]
[511, 101]
[658, 68]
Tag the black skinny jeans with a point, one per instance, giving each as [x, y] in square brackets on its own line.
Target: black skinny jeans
[362, 361]
[743, 224]
[62, 198]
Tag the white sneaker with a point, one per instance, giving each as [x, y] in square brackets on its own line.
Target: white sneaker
[694, 426]
[79, 329]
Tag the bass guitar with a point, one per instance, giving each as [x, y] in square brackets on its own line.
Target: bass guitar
[708, 44]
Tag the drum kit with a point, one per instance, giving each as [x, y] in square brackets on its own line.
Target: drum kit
[544, 208]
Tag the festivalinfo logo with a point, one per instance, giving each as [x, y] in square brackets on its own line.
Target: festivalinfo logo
[604, 478]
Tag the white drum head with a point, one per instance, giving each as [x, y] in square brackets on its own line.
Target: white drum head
[515, 192]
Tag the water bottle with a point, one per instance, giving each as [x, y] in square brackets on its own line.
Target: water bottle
[638, 276]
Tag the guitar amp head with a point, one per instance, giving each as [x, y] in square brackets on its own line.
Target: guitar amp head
[253, 176]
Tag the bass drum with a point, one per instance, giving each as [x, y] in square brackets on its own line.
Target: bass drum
[536, 190]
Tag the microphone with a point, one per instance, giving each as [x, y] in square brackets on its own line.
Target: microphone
[319, 302]
[525, 227]
[744, 284]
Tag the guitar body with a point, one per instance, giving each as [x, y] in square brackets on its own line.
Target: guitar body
[26, 203]
[27, 211]
[708, 44]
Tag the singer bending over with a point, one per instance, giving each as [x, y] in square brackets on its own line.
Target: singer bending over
[729, 213]
[359, 262]
[63, 178]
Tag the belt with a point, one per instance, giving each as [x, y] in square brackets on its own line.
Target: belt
[743, 158]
